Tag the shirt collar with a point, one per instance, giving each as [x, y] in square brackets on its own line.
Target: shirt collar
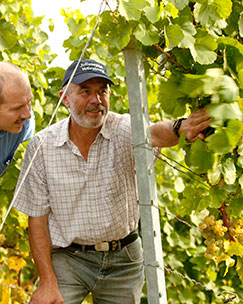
[63, 135]
[105, 130]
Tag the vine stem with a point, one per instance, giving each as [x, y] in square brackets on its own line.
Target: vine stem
[226, 220]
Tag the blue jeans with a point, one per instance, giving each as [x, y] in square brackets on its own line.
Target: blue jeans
[112, 277]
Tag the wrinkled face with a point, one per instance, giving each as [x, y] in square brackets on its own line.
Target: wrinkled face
[88, 102]
[16, 106]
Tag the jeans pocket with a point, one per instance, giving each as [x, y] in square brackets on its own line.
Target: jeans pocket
[134, 251]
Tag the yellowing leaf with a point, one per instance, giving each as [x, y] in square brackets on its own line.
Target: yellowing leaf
[16, 263]
[222, 257]
[229, 263]
[42, 79]
[6, 291]
[233, 248]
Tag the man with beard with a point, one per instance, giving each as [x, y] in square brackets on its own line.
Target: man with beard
[80, 195]
[16, 124]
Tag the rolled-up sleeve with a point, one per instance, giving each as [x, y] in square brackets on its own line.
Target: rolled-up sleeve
[31, 194]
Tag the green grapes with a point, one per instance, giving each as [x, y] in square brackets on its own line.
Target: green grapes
[236, 230]
[2, 239]
[213, 231]
[19, 295]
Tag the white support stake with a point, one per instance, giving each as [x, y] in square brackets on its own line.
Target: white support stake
[150, 223]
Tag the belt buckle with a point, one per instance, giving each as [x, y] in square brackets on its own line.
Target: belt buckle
[104, 246]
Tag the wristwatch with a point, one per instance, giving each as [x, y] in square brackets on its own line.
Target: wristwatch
[176, 126]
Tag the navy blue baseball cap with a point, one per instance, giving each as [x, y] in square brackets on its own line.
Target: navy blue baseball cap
[87, 69]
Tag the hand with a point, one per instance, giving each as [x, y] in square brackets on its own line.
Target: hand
[194, 125]
[47, 294]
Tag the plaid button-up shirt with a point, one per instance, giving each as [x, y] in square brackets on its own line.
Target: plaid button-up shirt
[86, 202]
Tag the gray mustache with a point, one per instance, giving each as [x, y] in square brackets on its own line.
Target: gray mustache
[95, 108]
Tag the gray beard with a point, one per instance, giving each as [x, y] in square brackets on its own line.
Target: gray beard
[84, 122]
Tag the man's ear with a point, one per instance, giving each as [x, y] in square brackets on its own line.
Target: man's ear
[65, 99]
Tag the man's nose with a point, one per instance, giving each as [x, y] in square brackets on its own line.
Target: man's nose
[95, 98]
[26, 114]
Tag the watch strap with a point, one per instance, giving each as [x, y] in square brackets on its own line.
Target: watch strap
[176, 126]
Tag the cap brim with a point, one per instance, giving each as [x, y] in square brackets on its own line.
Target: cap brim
[78, 79]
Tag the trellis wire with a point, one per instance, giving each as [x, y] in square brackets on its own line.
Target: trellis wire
[32, 291]
[101, 9]
[170, 271]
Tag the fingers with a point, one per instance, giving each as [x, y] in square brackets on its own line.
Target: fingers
[195, 124]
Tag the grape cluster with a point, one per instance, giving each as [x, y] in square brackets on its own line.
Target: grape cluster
[2, 239]
[213, 231]
[19, 295]
[236, 230]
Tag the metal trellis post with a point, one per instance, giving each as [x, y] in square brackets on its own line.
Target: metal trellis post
[144, 164]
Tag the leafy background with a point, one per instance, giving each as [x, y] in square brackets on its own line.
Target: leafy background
[192, 53]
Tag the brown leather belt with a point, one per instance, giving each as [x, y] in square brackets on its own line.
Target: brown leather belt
[108, 246]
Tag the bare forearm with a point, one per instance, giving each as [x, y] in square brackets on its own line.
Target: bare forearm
[162, 134]
[40, 247]
[47, 291]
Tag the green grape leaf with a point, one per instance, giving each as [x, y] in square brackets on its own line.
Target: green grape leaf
[179, 4]
[228, 89]
[201, 158]
[189, 202]
[228, 41]
[147, 36]
[240, 74]
[211, 13]
[171, 10]
[234, 132]
[37, 108]
[75, 41]
[236, 206]
[153, 13]
[8, 37]
[240, 161]
[40, 36]
[42, 79]
[233, 248]
[205, 44]
[174, 36]
[77, 29]
[239, 267]
[9, 182]
[188, 30]
[171, 99]
[203, 203]
[225, 111]
[214, 174]
[217, 197]
[119, 34]
[229, 171]
[219, 142]
[241, 181]
[223, 7]
[131, 9]
[192, 85]
[240, 22]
